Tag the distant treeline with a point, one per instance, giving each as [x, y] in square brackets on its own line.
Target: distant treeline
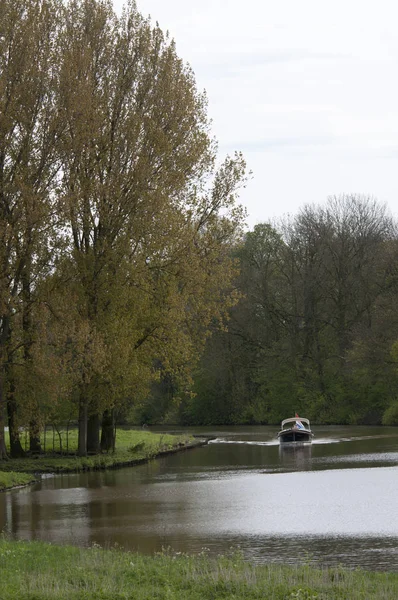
[316, 327]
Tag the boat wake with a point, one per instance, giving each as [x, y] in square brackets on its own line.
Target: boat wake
[316, 441]
[350, 439]
[245, 442]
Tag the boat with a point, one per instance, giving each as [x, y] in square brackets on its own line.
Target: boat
[296, 430]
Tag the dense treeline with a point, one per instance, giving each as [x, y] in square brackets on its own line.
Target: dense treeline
[316, 329]
[115, 225]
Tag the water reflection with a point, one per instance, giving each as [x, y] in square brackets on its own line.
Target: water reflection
[278, 503]
[296, 458]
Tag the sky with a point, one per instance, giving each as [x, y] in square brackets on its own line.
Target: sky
[306, 89]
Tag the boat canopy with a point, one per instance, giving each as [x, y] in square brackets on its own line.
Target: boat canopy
[294, 419]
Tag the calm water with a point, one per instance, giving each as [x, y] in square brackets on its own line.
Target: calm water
[335, 502]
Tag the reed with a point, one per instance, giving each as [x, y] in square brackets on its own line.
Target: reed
[38, 571]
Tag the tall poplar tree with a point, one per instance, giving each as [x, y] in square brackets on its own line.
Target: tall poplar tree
[136, 153]
[108, 191]
[28, 169]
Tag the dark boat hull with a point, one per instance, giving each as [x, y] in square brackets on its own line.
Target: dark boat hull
[295, 436]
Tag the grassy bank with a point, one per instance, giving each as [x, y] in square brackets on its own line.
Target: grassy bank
[12, 479]
[36, 571]
[132, 447]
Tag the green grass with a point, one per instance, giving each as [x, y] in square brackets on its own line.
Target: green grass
[38, 571]
[12, 479]
[132, 446]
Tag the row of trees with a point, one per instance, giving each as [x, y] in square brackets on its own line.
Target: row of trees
[115, 226]
[316, 329]
[120, 243]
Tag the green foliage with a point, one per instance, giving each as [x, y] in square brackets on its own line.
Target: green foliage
[116, 224]
[390, 416]
[316, 322]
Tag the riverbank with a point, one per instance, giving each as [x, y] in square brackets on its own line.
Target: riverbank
[133, 447]
[39, 571]
[14, 480]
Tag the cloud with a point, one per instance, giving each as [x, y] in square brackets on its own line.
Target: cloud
[307, 90]
[233, 63]
[265, 145]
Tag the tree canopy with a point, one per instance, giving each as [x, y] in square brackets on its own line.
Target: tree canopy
[316, 329]
[116, 224]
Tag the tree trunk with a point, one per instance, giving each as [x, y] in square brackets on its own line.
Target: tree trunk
[108, 431]
[16, 450]
[3, 449]
[34, 437]
[82, 441]
[4, 337]
[93, 434]
[34, 427]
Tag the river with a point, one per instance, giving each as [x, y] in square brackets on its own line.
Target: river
[332, 503]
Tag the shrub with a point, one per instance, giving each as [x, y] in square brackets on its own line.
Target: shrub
[390, 416]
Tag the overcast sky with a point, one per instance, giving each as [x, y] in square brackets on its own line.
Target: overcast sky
[307, 90]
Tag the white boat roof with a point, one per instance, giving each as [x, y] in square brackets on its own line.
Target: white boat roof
[294, 419]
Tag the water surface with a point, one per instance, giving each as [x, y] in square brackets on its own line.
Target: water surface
[334, 502]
